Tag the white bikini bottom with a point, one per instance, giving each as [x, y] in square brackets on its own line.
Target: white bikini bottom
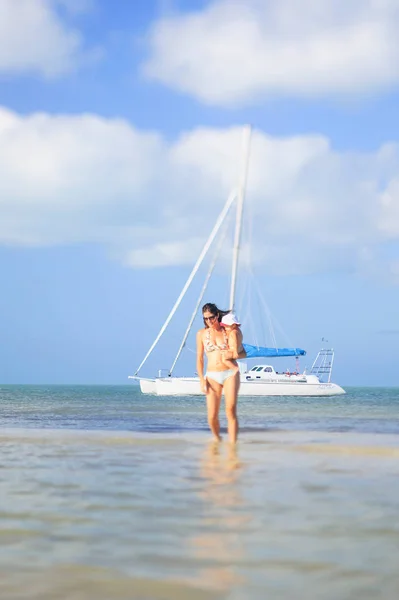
[220, 376]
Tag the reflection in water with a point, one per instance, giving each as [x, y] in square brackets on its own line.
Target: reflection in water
[220, 546]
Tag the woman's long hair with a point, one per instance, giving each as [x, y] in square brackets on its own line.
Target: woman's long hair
[212, 308]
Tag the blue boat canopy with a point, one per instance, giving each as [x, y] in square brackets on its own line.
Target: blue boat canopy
[260, 351]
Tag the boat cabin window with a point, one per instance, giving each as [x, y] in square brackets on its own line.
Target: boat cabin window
[268, 370]
[256, 368]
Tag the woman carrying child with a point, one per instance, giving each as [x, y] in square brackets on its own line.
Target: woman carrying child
[222, 346]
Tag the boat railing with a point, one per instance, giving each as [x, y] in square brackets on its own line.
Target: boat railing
[323, 364]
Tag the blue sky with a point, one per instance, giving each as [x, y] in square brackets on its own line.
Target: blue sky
[119, 142]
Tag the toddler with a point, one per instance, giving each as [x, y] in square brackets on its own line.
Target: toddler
[234, 339]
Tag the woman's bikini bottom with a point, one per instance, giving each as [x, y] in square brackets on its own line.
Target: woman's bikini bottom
[220, 376]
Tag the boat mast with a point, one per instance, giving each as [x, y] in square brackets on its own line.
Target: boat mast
[246, 139]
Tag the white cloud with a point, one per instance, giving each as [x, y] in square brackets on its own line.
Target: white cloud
[71, 179]
[34, 39]
[389, 199]
[165, 254]
[236, 52]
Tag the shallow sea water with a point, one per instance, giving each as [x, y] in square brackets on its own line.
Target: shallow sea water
[106, 494]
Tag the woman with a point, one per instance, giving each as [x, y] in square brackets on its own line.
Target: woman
[212, 340]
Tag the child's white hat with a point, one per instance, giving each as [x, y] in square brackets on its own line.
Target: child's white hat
[230, 319]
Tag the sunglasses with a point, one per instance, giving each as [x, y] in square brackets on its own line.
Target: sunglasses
[212, 318]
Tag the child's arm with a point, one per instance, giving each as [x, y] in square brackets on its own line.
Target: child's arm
[234, 342]
[236, 349]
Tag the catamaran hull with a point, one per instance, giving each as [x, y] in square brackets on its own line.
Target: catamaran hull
[148, 386]
[189, 386]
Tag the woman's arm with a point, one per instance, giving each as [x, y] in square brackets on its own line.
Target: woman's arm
[200, 361]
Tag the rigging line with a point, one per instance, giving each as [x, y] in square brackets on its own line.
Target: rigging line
[245, 261]
[242, 276]
[253, 306]
[191, 350]
[263, 331]
[250, 275]
[250, 221]
[267, 309]
[242, 298]
[252, 299]
[251, 330]
[245, 316]
[261, 301]
[203, 290]
[282, 331]
[280, 328]
[205, 249]
[254, 329]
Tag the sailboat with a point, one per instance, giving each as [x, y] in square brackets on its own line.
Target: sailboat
[261, 379]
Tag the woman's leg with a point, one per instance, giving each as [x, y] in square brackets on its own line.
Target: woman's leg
[213, 399]
[231, 387]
